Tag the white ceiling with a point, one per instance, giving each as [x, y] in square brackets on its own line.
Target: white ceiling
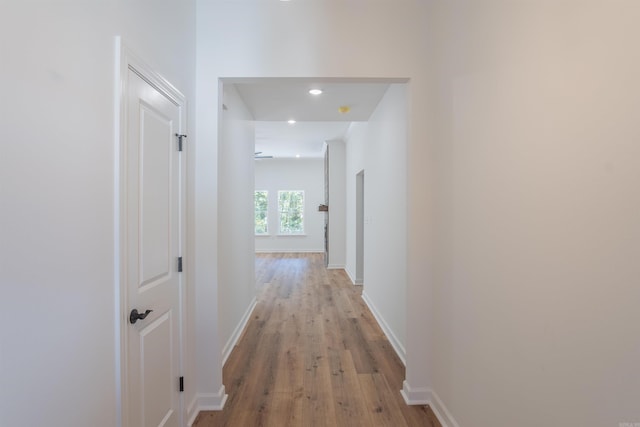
[282, 140]
[273, 102]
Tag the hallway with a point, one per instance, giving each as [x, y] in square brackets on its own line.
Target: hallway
[312, 355]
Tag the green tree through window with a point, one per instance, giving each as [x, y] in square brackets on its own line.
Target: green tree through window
[261, 205]
[291, 211]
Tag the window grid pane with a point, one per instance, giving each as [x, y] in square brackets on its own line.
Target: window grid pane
[291, 212]
[261, 206]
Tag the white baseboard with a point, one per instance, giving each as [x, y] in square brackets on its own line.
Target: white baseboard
[415, 396]
[206, 402]
[441, 411]
[351, 277]
[395, 343]
[426, 396]
[237, 332]
[335, 267]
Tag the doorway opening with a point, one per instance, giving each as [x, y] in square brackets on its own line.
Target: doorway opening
[359, 279]
[276, 138]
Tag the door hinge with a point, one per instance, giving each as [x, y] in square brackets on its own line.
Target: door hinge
[179, 264]
[181, 383]
[180, 137]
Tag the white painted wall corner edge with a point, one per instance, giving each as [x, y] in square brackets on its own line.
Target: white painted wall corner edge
[237, 332]
[395, 342]
[206, 402]
[426, 396]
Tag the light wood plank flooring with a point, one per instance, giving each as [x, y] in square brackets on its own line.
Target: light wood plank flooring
[312, 355]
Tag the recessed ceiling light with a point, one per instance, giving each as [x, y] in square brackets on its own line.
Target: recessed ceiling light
[291, 122]
[315, 91]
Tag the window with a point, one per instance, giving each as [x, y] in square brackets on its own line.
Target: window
[291, 211]
[261, 201]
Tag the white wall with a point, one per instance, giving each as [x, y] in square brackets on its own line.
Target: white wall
[236, 278]
[307, 175]
[57, 310]
[521, 163]
[538, 239]
[337, 204]
[379, 147]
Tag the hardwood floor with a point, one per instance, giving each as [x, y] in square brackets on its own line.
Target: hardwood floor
[312, 355]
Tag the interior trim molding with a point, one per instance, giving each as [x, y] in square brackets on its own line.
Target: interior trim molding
[416, 396]
[237, 332]
[395, 342]
[192, 413]
[350, 275]
[426, 396]
[206, 402]
[336, 267]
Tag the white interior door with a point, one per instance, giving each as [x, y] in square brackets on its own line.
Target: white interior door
[153, 243]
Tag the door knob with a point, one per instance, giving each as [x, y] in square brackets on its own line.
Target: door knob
[135, 316]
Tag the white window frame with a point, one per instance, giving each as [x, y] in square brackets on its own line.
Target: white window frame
[302, 214]
[266, 212]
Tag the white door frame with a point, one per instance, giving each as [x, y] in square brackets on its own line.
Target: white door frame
[126, 60]
[359, 279]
